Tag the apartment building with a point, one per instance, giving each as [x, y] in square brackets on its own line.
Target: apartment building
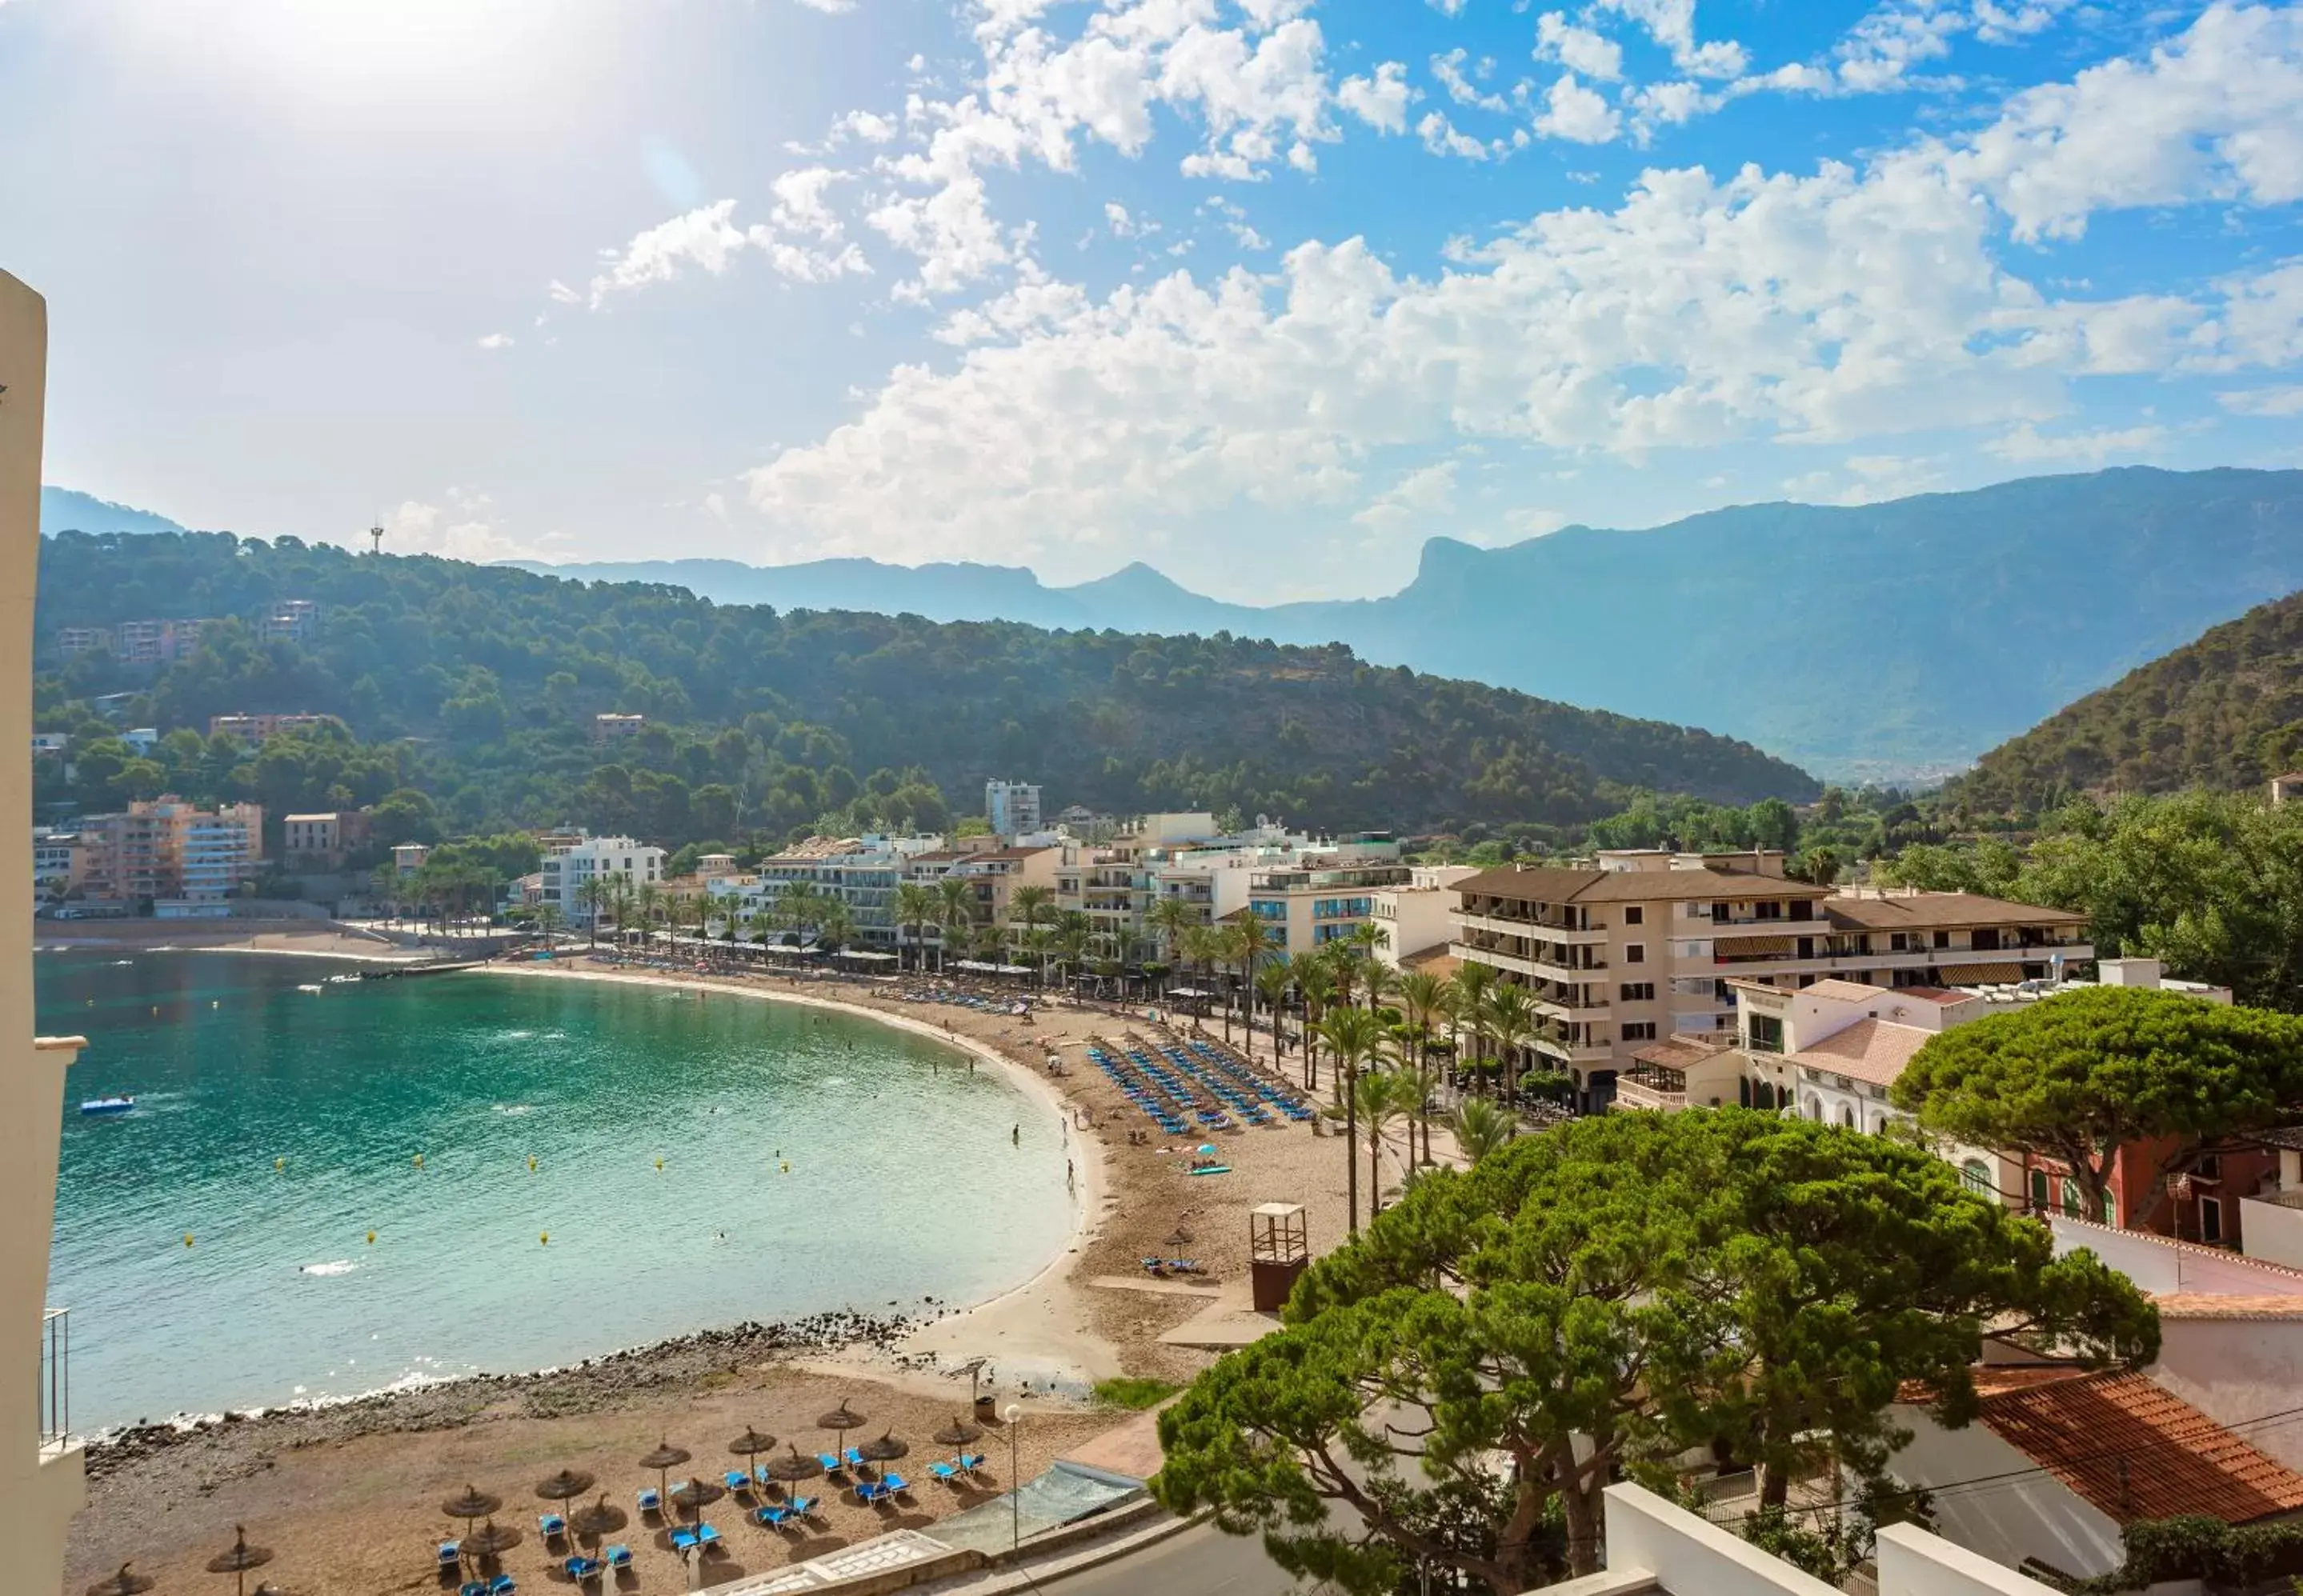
[605, 859]
[59, 862]
[1013, 808]
[155, 642]
[861, 872]
[185, 861]
[1418, 914]
[291, 620]
[257, 729]
[1306, 909]
[1647, 945]
[74, 641]
[321, 840]
[42, 1483]
[616, 728]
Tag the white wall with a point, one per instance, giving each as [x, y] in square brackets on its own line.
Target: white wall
[2273, 1231]
[2159, 1267]
[2029, 1515]
[2236, 1371]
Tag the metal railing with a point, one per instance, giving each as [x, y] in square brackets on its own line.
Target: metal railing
[55, 1376]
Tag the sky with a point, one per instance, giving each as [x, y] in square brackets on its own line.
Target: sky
[1264, 293]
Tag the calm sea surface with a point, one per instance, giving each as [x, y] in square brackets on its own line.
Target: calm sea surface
[644, 1132]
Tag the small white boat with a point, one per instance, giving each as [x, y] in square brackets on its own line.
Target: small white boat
[106, 1105]
[310, 988]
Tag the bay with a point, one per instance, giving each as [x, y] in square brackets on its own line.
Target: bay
[550, 1169]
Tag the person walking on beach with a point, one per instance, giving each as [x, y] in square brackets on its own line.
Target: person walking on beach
[1016, 1137]
[1069, 1185]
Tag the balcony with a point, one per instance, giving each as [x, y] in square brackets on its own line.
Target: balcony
[1651, 1089]
[56, 1377]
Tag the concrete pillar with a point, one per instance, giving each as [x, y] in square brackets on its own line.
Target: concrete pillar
[41, 1486]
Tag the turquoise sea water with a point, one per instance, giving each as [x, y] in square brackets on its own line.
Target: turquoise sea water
[903, 1181]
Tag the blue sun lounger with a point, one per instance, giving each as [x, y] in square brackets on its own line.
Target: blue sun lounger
[804, 1507]
[451, 1554]
[853, 1458]
[775, 1516]
[551, 1526]
[581, 1568]
[651, 1499]
[620, 1556]
[737, 1481]
[831, 1463]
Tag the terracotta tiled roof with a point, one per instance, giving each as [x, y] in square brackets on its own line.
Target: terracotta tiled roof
[2209, 1305]
[1932, 909]
[2134, 1450]
[1872, 1050]
[1635, 887]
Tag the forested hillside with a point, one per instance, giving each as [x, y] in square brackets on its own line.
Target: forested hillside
[762, 721]
[2224, 712]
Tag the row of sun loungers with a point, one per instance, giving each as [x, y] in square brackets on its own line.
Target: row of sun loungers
[1281, 1099]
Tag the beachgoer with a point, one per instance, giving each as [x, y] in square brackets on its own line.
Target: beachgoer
[1016, 1137]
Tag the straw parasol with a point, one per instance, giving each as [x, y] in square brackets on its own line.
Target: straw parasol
[601, 1518]
[565, 1486]
[475, 1503]
[887, 1448]
[792, 1468]
[493, 1540]
[959, 1432]
[749, 1445]
[694, 1496]
[123, 1583]
[240, 1559]
[663, 1460]
[842, 1418]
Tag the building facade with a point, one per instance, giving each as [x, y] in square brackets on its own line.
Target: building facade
[320, 841]
[616, 862]
[59, 863]
[1419, 914]
[1651, 944]
[257, 728]
[184, 862]
[615, 728]
[1012, 807]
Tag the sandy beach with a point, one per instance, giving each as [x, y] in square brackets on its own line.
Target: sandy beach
[349, 1497]
[293, 938]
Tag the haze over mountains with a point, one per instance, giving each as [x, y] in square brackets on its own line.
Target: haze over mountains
[1888, 640]
[1891, 639]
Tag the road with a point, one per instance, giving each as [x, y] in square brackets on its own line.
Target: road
[1200, 1560]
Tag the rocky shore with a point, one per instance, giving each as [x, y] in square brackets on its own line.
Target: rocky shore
[593, 1385]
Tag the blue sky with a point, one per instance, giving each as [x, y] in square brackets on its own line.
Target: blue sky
[1263, 291]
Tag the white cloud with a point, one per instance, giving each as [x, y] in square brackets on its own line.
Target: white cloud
[868, 126]
[1447, 8]
[463, 527]
[703, 237]
[1442, 138]
[2025, 445]
[2284, 399]
[950, 231]
[496, 341]
[1449, 70]
[1848, 305]
[1578, 49]
[1671, 23]
[1419, 494]
[1381, 101]
[1579, 114]
[835, 8]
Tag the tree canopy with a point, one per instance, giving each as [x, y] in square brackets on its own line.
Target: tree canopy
[1451, 1391]
[2079, 1076]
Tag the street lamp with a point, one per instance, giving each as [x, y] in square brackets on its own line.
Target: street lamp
[1015, 1486]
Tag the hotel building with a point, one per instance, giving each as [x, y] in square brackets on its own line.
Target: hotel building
[1648, 945]
[617, 859]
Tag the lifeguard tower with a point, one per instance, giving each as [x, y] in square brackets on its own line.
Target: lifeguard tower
[1278, 1249]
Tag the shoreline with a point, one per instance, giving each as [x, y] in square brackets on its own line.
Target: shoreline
[287, 939]
[1075, 1355]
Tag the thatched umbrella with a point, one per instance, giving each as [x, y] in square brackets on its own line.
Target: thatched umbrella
[240, 1559]
[492, 1541]
[887, 1448]
[663, 1460]
[959, 1432]
[791, 1468]
[123, 1583]
[601, 1518]
[748, 1446]
[841, 1420]
[565, 1486]
[692, 1496]
[475, 1503]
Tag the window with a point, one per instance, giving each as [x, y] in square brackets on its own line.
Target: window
[2073, 1204]
[1744, 1091]
[1766, 912]
[1640, 1030]
[1976, 1176]
[1636, 992]
[1634, 953]
[2211, 1219]
[1634, 915]
[1943, 939]
[2039, 1203]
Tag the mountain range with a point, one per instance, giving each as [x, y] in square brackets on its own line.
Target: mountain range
[1889, 641]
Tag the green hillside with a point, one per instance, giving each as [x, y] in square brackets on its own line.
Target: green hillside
[2224, 712]
[762, 721]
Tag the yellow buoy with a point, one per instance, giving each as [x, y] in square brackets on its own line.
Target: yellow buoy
[531, 1164]
[371, 1238]
[545, 1240]
[278, 1165]
[419, 1161]
[788, 1166]
[188, 1238]
[658, 1166]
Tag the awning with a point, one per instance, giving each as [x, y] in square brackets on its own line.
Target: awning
[1746, 948]
[876, 958]
[1980, 975]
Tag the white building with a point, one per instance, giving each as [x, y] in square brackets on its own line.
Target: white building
[607, 859]
[1420, 913]
[1013, 808]
[1655, 1549]
[41, 1481]
[862, 872]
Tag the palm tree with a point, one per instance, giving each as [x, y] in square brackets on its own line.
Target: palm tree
[915, 905]
[1511, 1026]
[1418, 1083]
[1379, 979]
[1353, 1037]
[1480, 1128]
[835, 924]
[547, 920]
[1422, 998]
[1382, 1099]
[1315, 983]
[1171, 917]
[955, 896]
[1474, 984]
[649, 900]
[1029, 904]
[592, 893]
[1271, 984]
